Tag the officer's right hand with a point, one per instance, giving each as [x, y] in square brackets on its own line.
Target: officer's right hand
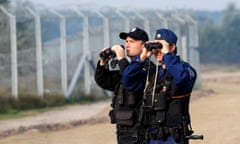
[103, 61]
[119, 51]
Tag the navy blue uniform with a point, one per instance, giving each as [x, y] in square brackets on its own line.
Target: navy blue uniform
[184, 76]
[134, 76]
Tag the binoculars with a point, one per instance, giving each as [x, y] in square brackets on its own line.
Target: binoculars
[151, 46]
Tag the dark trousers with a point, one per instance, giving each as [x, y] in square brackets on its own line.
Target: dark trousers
[129, 135]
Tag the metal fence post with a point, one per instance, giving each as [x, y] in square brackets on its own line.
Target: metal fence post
[165, 22]
[14, 63]
[145, 22]
[106, 30]
[63, 52]
[193, 45]
[38, 38]
[184, 51]
[126, 20]
[83, 59]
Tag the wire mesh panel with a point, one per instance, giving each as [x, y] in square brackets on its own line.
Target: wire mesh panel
[26, 56]
[95, 31]
[50, 26]
[26, 52]
[156, 21]
[74, 30]
[194, 59]
[134, 19]
[117, 24]
[5, 55]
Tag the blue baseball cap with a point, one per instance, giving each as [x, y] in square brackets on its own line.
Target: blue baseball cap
[167, 35]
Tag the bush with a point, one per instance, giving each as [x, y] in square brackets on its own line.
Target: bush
[33, 101]
[6, 103]
[81, 98]
[54, 100]
[30, 101]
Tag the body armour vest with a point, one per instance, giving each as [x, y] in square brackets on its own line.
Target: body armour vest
[126, 105]
[160, 106]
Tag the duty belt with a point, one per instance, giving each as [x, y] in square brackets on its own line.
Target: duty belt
[181, 96]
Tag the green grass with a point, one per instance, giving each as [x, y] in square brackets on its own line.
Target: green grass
[15, 114]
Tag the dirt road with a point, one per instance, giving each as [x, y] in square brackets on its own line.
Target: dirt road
[215, 115]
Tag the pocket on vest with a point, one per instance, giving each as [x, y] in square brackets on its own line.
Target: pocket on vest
[124, 117]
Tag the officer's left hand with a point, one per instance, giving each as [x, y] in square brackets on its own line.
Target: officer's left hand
[165, 45]
[165, 49]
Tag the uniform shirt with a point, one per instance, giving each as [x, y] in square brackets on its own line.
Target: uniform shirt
[134, 75]
[107, 79]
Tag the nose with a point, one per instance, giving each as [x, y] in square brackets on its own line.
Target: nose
[127, 45]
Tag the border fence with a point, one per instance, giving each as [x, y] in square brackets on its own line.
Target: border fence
[55, 51]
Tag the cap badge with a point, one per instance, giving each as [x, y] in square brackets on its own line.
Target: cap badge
[158, 36]
[133, 29]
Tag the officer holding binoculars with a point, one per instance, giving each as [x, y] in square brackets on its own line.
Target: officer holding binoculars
[167, 86]
[125, 104]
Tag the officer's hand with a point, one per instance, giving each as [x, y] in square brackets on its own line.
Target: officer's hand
[165, 45]
[119, 51]
[103, 61]
[145, 54]
[165, 48]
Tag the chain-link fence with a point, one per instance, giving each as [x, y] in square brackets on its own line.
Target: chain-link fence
[56, 51]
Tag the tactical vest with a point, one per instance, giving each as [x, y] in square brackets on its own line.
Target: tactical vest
[162, 106]
[126, 105]
[165, 110]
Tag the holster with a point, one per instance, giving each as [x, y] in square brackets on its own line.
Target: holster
[175, 112]
[124, 117]
[176, 134]
[112, 116]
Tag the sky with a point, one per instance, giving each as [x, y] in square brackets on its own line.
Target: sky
[210, 5]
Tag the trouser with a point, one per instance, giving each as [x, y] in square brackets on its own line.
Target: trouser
[165, 135]
[129, 135]
[169, 140]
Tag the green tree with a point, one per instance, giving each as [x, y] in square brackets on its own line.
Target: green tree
[4, 1]
[219, 42]
[230, 32]
[209, 44]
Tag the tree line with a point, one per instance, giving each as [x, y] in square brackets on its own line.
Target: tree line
[219, 42]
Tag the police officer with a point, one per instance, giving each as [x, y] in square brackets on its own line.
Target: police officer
[125, 104]
[167, 86]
